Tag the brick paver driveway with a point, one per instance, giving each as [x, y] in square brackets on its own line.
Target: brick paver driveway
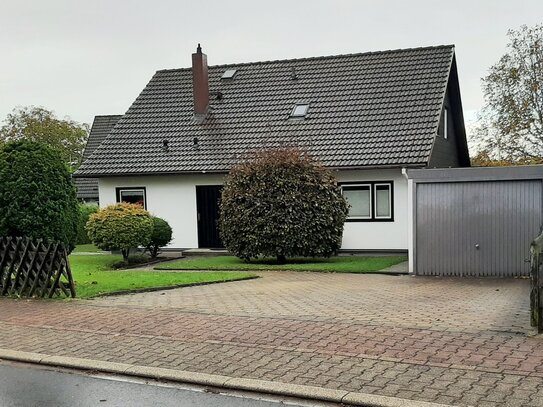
[457, 341]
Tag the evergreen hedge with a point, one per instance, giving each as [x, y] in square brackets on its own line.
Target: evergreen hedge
[85, 210]
[37, 195]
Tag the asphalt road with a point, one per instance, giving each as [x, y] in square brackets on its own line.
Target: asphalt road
[23, 385]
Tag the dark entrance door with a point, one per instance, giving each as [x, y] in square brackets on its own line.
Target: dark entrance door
[207, 205]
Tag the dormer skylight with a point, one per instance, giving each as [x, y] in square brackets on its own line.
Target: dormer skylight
[299, 111]
[229, 74]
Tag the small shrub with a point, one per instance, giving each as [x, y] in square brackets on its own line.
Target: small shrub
[120, 227]
[131, 261]
[161, 236]
[85, 210]
[283, 204]
[37, 195]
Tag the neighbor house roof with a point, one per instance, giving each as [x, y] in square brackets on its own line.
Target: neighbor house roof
[87, 188]
[365, 110]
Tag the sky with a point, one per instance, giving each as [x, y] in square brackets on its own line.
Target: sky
[86, 58]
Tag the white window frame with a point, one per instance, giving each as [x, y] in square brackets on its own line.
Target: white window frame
[389, 185]
[445, 123]
[370, 189]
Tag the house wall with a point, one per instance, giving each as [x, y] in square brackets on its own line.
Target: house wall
[378, 235]
[173, 198]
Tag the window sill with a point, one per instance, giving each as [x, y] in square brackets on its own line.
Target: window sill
[370, 220]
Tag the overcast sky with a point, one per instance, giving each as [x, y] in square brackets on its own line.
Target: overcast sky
[83, 58]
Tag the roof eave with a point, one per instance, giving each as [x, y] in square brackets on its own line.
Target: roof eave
[226, 171]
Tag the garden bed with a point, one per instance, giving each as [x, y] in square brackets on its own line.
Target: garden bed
[343, 264]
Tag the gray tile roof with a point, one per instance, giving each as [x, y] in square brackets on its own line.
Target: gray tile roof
[370, 109]
[87, 188]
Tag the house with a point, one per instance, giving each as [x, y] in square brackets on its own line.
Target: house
[368, 117]
[87, 188]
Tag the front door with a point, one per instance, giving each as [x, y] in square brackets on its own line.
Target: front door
[207, 206]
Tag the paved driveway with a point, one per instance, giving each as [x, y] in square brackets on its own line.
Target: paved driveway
[461, 341]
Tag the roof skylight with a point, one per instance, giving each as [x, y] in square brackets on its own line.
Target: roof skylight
[229, 74]
[299, 111]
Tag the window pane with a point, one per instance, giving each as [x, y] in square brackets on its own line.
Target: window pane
[382, 197]
[133, 197]
[300, 110]
[360, 202]
[229, 74]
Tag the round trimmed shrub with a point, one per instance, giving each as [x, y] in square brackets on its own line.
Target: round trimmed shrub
[37, 195]
[122, 226]
[161, 236]
[281, 203]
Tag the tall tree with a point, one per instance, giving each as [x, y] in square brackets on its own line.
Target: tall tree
[31, 123]
[510, 126]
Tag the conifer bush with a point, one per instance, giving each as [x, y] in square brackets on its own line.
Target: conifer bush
[85, 211]
[37, 195]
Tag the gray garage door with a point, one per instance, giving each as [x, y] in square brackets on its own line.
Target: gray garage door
[476, 228]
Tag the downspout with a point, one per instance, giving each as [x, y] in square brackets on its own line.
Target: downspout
[410, 223]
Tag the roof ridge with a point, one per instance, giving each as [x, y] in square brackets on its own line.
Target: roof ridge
[107, 115]
[271, 61]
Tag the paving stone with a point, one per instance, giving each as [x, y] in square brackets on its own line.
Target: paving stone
[347, 332]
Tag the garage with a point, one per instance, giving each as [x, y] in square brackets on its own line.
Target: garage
[474, 221]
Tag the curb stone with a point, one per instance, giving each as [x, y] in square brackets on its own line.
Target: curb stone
[253, 385]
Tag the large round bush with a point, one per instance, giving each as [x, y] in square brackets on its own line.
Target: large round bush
[282, 203]
[122, 226]
[161, 236]
[37, 195]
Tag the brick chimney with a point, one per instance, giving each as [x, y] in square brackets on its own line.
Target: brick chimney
[200, 83]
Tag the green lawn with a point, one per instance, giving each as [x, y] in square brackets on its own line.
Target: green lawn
[93, 277]
[344, 264]
[86, 248]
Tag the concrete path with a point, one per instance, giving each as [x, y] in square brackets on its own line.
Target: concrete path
[443, 340]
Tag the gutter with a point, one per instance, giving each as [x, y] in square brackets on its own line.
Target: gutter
[137, 174]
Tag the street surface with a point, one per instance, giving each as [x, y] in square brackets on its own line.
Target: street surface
[23, 385]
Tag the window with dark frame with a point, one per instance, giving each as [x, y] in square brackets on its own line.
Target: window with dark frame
[132, 195]
[369, 201]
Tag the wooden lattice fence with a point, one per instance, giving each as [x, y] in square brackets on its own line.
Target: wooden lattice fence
[34, 268]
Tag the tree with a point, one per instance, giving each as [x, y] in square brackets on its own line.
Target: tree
[37, 195]
[41, 125]
[161, 236]
[281, 203]
[510, 126]
[483, 159]
[121, 227]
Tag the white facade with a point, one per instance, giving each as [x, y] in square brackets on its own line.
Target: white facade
[173, 198]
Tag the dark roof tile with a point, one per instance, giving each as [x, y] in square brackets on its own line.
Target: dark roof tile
[372, 109]
[87, 188]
